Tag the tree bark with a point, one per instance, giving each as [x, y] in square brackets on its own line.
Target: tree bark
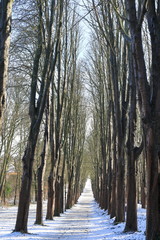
[24, 198]
[131, 221]
[143, 181]
[50, 203]
[114, 171]
[150, 107]
[5, 31]
[109, 190]
[70, 197]
[40, 175]
[153, 130]
[57, 209]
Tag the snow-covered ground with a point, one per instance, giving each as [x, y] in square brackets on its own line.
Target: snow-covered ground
[84, 221]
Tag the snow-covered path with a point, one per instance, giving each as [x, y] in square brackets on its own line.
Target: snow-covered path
[84, 221]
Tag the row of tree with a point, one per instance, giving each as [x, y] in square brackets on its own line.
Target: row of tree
[45, 76]
[123, 78]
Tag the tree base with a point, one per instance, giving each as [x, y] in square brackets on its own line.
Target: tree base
[39, 223]
[130, 229]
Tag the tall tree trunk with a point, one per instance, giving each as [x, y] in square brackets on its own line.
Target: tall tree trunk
[77, 182]
[50, 203]
[70, 196]
[52, 180]
[57, 97]
[16, 188]
[40, 174]
[153, 131]
[131, 221]
[62, 187]
[143, 181]
[51, 191]
[119, 119]
[114, 172]
[36, 109]
[59, 187]
[57, 208]
[150, 107]
[24, 198]
[109, 167]
[5, 30]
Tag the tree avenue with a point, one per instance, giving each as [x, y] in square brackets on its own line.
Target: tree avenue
[91, 115]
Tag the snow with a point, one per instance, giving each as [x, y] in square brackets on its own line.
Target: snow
[84, 221]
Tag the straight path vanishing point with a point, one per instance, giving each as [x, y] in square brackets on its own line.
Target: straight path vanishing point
[83, 222]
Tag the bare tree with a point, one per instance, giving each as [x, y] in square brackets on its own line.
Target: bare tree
[133, 153]
[104, 24]
[149, 97]
[37, 106]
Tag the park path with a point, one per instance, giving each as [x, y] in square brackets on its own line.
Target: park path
[84, 221]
